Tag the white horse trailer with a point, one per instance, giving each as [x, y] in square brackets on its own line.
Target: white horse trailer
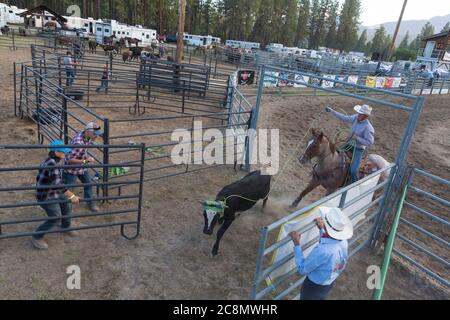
[242, 44]
[11, 14]
[199, 40]
[3, 11]
[147, 36]
[102, 30]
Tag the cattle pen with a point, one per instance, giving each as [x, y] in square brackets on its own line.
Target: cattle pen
[141, 106]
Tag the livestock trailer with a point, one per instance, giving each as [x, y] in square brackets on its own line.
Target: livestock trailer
[242, 44]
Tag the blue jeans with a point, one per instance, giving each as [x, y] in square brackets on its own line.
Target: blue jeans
[312, 291]
[70, 77]
[103, 85]
[356, 161]
[55, 210]
[84, 178]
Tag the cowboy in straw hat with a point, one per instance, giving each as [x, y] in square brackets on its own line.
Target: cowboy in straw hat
[361, 137]
[329, 258]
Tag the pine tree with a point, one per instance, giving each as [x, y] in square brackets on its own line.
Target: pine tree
[446, 28]
[405, 41]
[348, 25]
[361, 44]
[262, 28]
[331, 23]
[427, 30]
[290, 23]
[378, 40]
[301, 33]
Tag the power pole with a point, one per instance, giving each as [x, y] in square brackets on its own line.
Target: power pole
[180, 38]
[394, 38]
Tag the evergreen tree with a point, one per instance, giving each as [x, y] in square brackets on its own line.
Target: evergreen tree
[331, 23]
[348, 25]
[290, 23]
[405, 41]
[361, 44]
[378, 41]
[446, 28]
[262, 28]
[301, 34]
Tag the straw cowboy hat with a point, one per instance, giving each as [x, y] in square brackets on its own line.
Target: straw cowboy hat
[338, 225]
[364, 109]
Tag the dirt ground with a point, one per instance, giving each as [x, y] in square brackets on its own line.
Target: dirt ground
[171, 259]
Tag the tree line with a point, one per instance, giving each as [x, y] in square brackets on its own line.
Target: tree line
[406, 50]
[301, 23]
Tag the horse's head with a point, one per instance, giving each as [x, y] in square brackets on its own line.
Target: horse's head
[315, 146]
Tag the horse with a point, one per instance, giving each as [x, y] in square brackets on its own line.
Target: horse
[132, 41]
[111, 48]
[239, 196]
[126, 56]
[5, 30]
[122, 44]
[93, 46]
[332, 168]
[108, 40]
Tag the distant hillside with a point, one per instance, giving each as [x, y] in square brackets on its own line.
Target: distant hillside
[414, 27]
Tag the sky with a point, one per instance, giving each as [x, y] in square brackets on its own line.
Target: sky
[375, 12]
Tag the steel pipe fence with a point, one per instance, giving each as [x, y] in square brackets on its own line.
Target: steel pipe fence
[422, 239]
[285, 284]
[40, 95]
[20, 210]
[412, 105]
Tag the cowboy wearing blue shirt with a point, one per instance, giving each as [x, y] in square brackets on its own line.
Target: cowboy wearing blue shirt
[328, 259]
[362, 133]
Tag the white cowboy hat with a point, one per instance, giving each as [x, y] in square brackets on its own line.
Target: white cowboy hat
[338, 225]
[364, 109]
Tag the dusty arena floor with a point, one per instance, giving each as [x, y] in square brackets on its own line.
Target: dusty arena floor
[172, 257]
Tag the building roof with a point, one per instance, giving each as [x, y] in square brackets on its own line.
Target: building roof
[42, 8]
[436, 36]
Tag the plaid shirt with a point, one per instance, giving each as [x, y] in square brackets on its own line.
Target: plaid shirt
[78, 153]
[49, 176]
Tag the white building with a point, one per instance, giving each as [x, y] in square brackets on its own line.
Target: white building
[199, 40]
[242, 44]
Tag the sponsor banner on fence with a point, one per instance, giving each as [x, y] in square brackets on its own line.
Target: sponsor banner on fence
[328, 83]
[246, 77]
[371, 82]
[396, 82]
[380, 82]
[269, 80]
[426, 91]
[388, 83]
[416, 91]
[352, 79]
[444, 91]
[302, 79]
[436, 91]
[284, 81]
[310, 235]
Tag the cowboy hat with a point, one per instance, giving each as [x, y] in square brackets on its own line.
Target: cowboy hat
[93, 127]
[338, 225]
[364, 109]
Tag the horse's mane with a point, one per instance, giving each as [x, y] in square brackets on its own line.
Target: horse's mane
[332, 144]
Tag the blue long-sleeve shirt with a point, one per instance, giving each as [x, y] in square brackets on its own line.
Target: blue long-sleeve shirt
[364, 129]
[325, 263]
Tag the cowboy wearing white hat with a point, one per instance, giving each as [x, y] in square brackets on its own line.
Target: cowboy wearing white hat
[329, 258]
[362, 135]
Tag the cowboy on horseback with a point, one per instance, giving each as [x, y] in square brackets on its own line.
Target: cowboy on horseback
[361, 137]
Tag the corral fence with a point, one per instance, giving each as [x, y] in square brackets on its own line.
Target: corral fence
[355, 200]
[19, 208]
[60, 111]
[424, 222]
[13, 40]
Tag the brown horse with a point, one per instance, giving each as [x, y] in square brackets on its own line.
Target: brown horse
[132, 41]
[92, 46]
[331, 169]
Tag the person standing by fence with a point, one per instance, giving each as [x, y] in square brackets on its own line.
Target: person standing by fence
[328, 259]
[81, 157]
[69, 65]
[48, 183]
[104, 80]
